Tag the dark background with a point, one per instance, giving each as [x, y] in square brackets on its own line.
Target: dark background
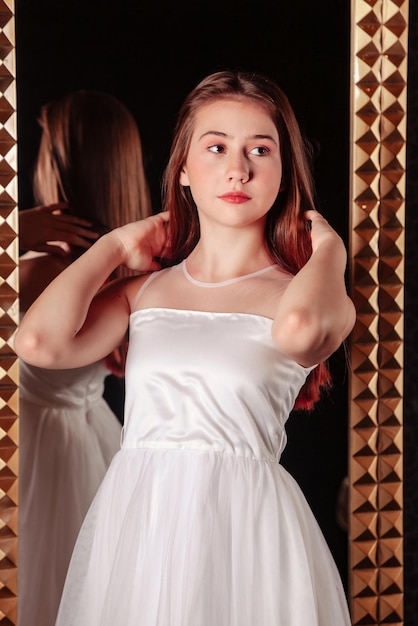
[150, 54]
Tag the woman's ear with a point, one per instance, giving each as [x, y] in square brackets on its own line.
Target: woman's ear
[184, 179]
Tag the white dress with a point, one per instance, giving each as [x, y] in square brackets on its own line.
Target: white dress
[196, 523]
[68, 436]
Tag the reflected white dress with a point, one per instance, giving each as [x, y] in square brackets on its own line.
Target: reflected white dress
[68, 436]
[196, 523]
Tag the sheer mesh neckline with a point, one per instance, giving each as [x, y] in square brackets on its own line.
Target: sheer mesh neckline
[222, 283]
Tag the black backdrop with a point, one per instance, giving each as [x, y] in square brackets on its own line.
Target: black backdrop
[150, 54]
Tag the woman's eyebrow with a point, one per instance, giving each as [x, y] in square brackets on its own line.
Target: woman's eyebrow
[219, 133]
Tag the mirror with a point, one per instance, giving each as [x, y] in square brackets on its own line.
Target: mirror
[123, 52]
[306, 48]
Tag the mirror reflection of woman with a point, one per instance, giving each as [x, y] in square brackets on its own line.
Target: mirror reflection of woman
[89, 178]
[196, 522]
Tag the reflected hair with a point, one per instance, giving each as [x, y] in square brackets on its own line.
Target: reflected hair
[287, 237]
[90, 157]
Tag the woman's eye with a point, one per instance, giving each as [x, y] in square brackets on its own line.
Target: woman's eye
[260, 151]
[216, 148]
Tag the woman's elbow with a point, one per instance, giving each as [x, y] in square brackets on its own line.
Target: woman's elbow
[306, 339]
[30, 348]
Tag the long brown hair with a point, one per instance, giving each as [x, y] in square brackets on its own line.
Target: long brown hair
[286, 235]
[90, 157]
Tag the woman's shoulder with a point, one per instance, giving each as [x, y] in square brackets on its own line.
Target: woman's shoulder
[273, 282]
[278, 274]
[137, 286]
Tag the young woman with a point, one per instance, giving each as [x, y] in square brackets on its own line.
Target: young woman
[89, 178]
[196, 523]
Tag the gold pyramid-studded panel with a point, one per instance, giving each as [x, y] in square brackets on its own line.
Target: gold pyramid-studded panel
[8, 318]
[378, 164]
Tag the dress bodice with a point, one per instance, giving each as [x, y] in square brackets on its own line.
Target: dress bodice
[208, 381]
[69, 388]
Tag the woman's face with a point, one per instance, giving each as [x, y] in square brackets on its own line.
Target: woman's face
[233, 165]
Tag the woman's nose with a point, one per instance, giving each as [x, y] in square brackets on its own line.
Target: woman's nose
[238, 168]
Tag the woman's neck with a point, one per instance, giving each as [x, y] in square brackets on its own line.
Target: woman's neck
[209, 265]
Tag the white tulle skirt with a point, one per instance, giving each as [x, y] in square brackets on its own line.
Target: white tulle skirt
[199, 538]
[68, 436]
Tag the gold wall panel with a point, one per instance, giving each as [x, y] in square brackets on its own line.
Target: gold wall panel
[8, 317]
[378, 162]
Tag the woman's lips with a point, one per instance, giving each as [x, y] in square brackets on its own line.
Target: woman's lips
[235, 197]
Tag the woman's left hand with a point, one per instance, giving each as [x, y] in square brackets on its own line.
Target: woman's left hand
[321, 231]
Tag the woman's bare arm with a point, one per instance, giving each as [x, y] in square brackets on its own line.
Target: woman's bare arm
[315, 314]
[36, 271]
[74, 321]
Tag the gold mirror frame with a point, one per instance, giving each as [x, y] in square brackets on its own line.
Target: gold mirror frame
[377, 213]
[8, 317]
[377, 221]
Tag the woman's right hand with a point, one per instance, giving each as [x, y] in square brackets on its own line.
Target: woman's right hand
[142, 243]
